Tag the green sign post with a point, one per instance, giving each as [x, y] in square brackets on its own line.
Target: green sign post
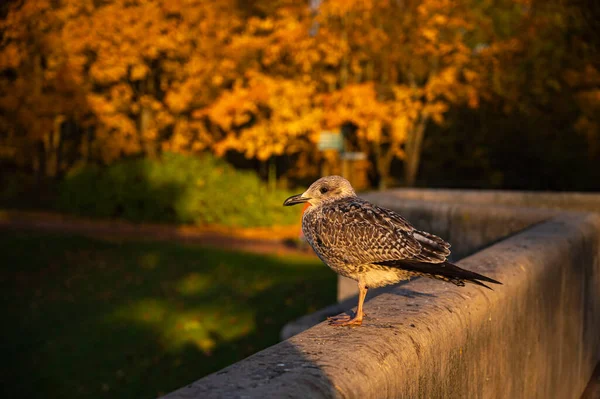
[330, 141]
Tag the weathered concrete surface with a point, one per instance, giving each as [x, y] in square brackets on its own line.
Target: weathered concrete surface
[534, 337]
[307, 321]
[589, 202]
[469, 227]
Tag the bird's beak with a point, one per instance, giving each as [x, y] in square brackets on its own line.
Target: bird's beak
[295, 199]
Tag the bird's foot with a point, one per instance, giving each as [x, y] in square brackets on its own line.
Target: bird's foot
[345, 320]
[343, 317]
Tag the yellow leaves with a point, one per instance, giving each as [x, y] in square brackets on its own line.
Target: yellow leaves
[10, 56]
[439, 19]
[260, 25]
[179, 97]
[188, 136]
[217, 80]
[470, 75]
[109, 64]
[430, 34]
[472, 97]
[400, 128]
[231, 109]
[340, 8]
[436, 111]
[108, 70]
[267, 115]
[194, 75]
[100, 105]
[373, 131]
[389, 121]
[121, 95]
[139, 72]
[356, 104]
[150, 134]
[444, 84]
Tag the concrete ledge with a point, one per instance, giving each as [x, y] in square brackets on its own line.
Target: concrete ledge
[469, 227]
[588, 202]
[307, 321]
[534, 337]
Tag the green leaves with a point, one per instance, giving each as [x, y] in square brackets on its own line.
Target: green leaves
[175, 188]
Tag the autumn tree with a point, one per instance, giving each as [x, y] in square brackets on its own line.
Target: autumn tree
[132, 72]
[148, 65]
[268, 107]
[116, 78]
[388, 69]
[37, 92]
[546, 63]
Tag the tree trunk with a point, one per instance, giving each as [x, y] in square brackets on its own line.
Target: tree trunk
[413, 152]
[272, 178]
[149, 145]
[39, 159]
[52, 145]
[383, 179]
[344, 66]
[383, 163]
[86, 144]
[144, 125]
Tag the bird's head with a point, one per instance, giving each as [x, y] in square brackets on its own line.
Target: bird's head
[326, 189]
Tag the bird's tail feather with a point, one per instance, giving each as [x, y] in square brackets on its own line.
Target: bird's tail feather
[445, 271]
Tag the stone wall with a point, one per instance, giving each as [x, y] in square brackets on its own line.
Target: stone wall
[536, 336]
[587, 202]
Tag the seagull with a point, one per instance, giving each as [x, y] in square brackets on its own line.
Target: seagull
[372, 245]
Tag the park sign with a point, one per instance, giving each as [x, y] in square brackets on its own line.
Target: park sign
[354, 156]
[330, 141]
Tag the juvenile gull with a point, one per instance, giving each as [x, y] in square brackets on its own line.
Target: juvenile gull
[374, 246]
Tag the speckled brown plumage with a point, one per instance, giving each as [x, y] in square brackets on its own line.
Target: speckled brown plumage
[370, 244]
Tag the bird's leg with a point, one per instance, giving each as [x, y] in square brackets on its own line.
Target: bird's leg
[357, 319]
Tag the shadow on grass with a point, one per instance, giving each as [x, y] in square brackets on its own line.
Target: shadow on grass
[91, 318]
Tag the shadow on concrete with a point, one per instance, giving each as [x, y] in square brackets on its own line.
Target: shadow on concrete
[279, 368]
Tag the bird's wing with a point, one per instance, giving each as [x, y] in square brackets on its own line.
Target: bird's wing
[363, 233]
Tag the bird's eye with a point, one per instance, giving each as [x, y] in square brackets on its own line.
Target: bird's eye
[323, 190]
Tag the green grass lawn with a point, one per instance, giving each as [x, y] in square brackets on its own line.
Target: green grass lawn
[94, 318]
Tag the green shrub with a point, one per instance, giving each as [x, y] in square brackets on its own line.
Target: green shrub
[176, 189]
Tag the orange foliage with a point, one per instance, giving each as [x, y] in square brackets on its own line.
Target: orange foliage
[262, 78]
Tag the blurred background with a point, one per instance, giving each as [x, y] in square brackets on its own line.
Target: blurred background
[208, 114]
